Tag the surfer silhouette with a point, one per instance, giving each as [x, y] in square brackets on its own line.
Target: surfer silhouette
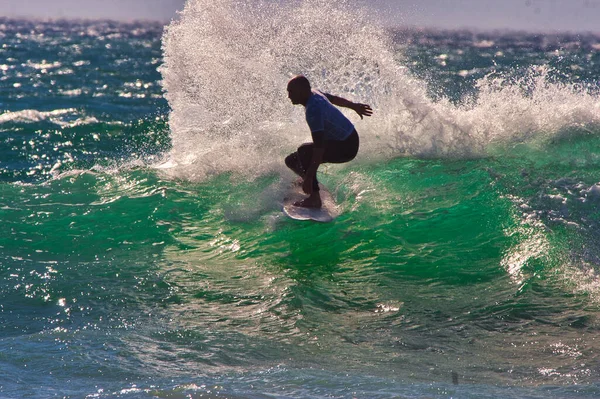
[335, 139]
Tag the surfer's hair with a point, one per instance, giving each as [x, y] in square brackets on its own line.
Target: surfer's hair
[300, 81]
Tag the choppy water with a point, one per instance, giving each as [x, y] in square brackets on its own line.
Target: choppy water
[143, 252]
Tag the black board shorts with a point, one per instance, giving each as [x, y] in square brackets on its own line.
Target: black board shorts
[336, 151]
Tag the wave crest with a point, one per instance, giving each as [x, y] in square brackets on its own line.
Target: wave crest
[227, 63]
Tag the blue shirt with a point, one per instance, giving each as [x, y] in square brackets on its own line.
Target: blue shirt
[323, 116]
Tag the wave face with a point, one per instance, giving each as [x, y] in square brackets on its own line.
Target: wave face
[143, 251]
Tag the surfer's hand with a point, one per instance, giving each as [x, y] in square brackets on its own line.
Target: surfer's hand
[362, 109]
[307, 185]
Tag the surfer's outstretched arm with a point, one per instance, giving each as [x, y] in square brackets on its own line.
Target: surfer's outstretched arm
[360, 109]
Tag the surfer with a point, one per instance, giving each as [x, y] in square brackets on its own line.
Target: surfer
[335, 139]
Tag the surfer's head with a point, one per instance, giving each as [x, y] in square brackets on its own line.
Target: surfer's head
[299, 90]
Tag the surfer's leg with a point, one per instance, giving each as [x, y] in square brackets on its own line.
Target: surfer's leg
[335, 152]
[292, 161]
[299, 160]
[313, 201]
[305, 153]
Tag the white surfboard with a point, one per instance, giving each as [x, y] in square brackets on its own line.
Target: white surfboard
[326, 213]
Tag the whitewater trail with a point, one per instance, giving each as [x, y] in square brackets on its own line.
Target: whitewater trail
[227, 63]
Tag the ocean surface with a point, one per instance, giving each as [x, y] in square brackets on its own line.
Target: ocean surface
[144, 254]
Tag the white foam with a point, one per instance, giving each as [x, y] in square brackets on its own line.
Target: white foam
[32, 115]
[227, 63]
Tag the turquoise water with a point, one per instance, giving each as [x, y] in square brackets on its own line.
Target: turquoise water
[144, 253]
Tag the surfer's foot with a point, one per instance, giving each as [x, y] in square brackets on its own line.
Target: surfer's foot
[314, 201]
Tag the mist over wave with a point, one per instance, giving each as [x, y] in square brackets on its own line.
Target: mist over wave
[226, 65]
